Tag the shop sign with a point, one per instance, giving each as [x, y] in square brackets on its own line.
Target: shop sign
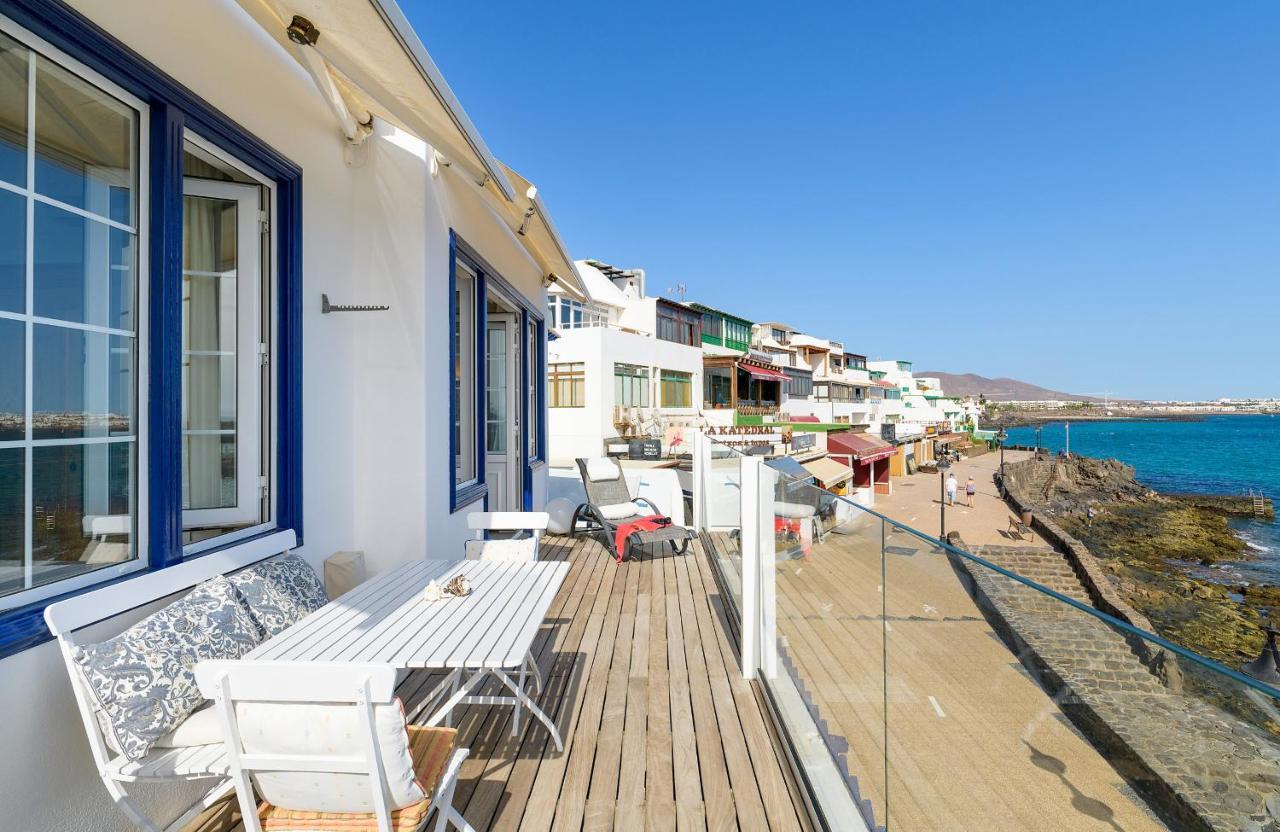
[745, 436]
[803, 441]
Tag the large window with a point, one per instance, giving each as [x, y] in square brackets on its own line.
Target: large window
[567, 313]
[677, 389]
[71, 330]
[466, 312]
[737, 334]
[567, 383]
[799, 384]
[630, 385]
[678, 324]
[717, 383]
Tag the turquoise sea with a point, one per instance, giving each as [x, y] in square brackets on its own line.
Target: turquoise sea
[1214, 455]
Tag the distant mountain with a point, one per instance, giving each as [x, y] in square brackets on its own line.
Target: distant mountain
[999, 389]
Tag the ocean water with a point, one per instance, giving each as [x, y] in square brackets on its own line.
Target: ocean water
[1215, 455]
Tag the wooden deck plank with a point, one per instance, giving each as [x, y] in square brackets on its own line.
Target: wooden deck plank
[641, 678]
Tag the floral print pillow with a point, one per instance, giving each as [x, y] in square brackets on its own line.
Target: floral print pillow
[280, 592]
[143, 680]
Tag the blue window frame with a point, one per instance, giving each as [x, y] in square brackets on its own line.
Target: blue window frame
[172, 111]
[466, 404]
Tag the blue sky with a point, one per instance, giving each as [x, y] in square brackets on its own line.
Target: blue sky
[1084, 195]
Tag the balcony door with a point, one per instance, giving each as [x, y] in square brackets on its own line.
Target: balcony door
[503, 396]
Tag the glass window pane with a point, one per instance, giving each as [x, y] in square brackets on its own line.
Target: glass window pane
[85, 145]
[13, 405]
[83, 270]
[13, 247]
[464, 375]
[13, 111]
[209, 392]
[209, 471]
[83, 509]
[82, 384]
[13, 484]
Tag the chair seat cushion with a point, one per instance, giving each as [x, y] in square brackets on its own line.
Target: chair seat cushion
[430, 749]
[143, 679]
[280, 592]
[620, 511]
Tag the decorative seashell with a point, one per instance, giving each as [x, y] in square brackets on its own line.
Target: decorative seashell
[433, 592]
[459, 586]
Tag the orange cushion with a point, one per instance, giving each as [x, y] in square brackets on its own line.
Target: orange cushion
[431, 749]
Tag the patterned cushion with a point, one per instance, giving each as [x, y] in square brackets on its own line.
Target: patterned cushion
[430, 748]
[280, 592]
[142, 680]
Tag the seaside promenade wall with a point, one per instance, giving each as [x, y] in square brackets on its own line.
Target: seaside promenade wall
[1022, 481]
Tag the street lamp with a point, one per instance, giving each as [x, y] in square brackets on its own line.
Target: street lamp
[1001, 436]
[943, 465]
[1039, 428]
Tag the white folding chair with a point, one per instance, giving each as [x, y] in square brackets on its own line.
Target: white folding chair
[325, 745]
[511, 536]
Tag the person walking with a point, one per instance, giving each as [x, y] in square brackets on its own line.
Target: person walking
[952, 485]
[970, 488]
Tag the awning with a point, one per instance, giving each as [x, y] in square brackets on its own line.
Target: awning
[804, 419]
[787, 465]
[947, 438]
[879, 382]
[861, 446]
[829, 472]
[763, 373]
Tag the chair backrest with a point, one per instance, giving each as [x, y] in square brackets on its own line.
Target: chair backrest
[65, 618]
[320, 736]
[603, 492]
[518, 535]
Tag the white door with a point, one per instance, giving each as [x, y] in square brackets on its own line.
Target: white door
[502, 412]
[221, 363]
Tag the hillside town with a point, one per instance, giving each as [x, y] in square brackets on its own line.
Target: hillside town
[626, 365]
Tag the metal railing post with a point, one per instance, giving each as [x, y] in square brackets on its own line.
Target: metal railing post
[766, 561]
[701, 479]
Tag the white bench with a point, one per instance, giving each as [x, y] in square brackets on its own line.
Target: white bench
[66, 618]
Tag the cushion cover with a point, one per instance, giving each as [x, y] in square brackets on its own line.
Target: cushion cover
[523, 550]
[280, 592]
[602, 468]
[618, 511]
[430, 747]
[143, 681]
[311, 730]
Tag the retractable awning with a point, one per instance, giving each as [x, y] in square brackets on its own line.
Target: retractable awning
[861, 446]
[763, 373]
[879, 382]
[367, 61]
[829, 472]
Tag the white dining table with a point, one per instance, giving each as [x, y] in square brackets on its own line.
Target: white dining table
[486, 634]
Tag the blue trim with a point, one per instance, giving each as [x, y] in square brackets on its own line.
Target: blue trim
[460, 497]
[173, 109]
[526, 473]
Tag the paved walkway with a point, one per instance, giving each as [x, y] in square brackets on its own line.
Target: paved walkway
[899, 648]
[915, 502]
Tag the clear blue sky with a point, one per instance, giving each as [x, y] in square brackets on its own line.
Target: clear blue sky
[1084, 195]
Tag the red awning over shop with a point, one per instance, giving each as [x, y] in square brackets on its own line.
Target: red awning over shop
[805, 419]
[861, 446]
[879, 382]
[763, 373]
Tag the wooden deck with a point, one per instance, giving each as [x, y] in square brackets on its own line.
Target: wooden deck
[660, 730]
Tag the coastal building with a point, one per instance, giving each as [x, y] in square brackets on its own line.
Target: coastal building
[215, 194]
[623, 364]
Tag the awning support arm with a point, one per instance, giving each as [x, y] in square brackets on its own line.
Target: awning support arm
[356, 130]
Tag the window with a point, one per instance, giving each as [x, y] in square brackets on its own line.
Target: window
[466, 319]
[225, 374]
[567, 313]
[780, 335]
[712, 325]
[71, 328]
[859, 394]
[799, 385]
[677, 389]
[737, 334]
[537, 386]
[856, 362]
[717, 383]
[568, 384]
[678, 324]
[630, 385]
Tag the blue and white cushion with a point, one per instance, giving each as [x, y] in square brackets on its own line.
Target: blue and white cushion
[280, 592]
[143, 680]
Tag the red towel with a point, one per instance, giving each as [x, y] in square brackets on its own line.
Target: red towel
[645, 524]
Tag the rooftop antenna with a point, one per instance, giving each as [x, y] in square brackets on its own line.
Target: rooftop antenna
[678, 289]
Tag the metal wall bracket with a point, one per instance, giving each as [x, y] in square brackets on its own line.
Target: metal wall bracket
[326, 307]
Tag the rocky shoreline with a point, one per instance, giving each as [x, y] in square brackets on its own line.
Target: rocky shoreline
[1160, 551]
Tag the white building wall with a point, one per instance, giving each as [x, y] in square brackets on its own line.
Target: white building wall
[375, 386]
